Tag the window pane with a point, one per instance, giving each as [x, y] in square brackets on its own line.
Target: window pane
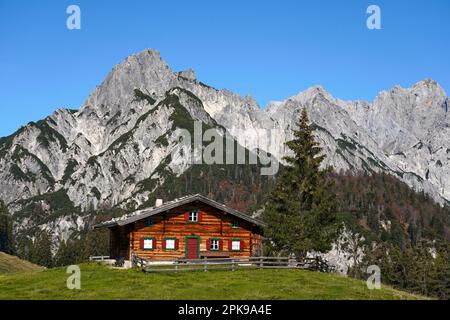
[214, 244]
[148, 243]
[193, 216]
[236, 245]
[170, 244]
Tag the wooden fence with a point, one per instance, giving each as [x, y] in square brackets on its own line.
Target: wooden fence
[98, 258]
[232, 264]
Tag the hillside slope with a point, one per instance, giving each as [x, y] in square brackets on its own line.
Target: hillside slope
[99, 282]
[10, 264]
[383, 208]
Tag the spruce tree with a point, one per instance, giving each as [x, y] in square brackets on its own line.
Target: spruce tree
[96, 243]
[300, 211]
[62, 256]
[6, 232]
[41, 252]
[441, 272]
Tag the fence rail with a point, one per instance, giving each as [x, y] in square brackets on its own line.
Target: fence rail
[232, 264]
[98, 258]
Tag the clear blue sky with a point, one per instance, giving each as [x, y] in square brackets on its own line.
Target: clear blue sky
[270, 49]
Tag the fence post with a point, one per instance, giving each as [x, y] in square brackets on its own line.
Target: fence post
[260, 263]
[232, 264]
[205, 264]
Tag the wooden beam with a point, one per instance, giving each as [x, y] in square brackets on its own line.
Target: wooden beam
[131, 239]
[164, 221]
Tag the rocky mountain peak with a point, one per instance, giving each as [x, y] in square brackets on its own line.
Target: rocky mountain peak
[428, 84]
[304, 98]
[251, 101]
[429, 93]
[423, 94]
[145, 70]
[188, 74]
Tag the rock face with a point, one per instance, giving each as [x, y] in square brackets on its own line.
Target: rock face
[127, 129]
[404, 132]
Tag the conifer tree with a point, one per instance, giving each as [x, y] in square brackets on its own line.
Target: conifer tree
[96, 243]
[41, 252]
[440, 283]
[300, 211]
[6, 232]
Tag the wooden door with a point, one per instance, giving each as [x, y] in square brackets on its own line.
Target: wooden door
[192, 247]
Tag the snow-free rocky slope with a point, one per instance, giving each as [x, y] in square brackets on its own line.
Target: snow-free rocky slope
[116, 149]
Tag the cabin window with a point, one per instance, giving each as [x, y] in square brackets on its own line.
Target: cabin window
[170, 244]
[235, 224]
[193, 216]
[235, 245]
[149, 243]
[214, 244]
[149, 222]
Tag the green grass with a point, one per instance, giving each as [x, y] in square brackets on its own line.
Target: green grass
[99, 282]
[10, 264]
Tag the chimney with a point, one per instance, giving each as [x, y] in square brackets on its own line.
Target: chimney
[158, 202]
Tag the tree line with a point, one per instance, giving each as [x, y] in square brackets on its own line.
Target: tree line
[42, 250]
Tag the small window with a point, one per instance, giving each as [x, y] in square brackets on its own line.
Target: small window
[149, 222]
[236, 245]
[148, 243]
[193, 216]
[235, 224]
[214, 245]
[170, 244]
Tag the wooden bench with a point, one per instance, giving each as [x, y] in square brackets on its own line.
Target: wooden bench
[214, 254]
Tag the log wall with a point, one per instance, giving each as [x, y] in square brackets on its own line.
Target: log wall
[172, 224]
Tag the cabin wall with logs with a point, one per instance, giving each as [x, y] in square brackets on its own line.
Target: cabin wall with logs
[212, 224]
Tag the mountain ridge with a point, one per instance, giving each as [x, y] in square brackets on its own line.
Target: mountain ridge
[121, 138]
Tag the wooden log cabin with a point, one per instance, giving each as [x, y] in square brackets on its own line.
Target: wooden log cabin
[191, 227]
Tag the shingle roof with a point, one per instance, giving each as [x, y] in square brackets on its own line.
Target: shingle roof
[148, 212]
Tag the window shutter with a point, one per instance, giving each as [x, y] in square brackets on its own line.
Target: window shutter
[230, 245]
[177, 243]
[220, 244]
[200, 216]
[242, 245]
[208, 244]
[163, 244]
[186, 216]
[142, 243]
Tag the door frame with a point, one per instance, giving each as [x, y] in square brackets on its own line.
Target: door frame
[186, 246]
